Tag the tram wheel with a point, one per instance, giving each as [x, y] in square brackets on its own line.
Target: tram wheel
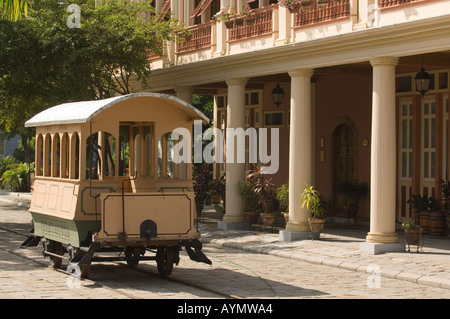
[165, 258]
[56, 248]
[132, 255]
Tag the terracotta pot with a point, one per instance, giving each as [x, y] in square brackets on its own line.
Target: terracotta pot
[252, 217]
[268, 218]
[413, 237]
[317, 225]
[229, 24]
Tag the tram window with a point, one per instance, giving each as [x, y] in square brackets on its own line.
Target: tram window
[137, 150]
[39, 155]
[148, 151]
[47, 163]
[64, 150]
[170, 157]
[75, 156]
[109, 154]
[56, 155]
[160, 156]
[166, 165]
[124, 150]
[93, 157]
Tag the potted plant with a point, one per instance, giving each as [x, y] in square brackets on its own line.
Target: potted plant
[412, 233]
[248, 14]
[291, 5]
[265, 190]
[353, 193]
[446, 200]
[202, 175]
[422, 204]
[225, 15]
[252, 207]
[217, 190]
[311, 201]
[283, 200]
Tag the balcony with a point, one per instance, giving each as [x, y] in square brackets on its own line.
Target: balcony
[392, 3]
[260, 24]
[200, 38]
[333, 10]
[275, 26]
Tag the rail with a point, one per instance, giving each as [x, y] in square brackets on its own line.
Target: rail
[333, 10]
[391, 3]
[261, 23]
[200, 38]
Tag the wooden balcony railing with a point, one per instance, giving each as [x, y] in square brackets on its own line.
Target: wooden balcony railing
[390, 3]
[333, 10]
[200, 38]
[262, 24]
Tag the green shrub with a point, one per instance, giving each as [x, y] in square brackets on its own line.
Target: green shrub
[17, 177]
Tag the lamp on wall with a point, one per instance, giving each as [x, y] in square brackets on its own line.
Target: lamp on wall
[423, 80]
[277, 95]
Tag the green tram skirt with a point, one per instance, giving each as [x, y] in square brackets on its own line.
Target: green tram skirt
[63, 230]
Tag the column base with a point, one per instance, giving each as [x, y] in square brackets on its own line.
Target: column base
[380, 248]
[287, 235]
[382, 238]
[298, 226]
[224, 225]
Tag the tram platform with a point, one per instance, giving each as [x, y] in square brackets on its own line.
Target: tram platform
[338, 246]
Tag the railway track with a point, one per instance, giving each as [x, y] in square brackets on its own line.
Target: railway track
[92, 282]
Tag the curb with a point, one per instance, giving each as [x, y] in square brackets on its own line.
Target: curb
[383, 272]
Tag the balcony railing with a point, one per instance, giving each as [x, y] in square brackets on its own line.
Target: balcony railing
[200, 38]
[333, 10]
[262, 24]
[390, 3]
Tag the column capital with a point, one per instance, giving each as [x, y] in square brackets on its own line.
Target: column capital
[385, 60]
[301, 73]
[184, 89]
[237, 81]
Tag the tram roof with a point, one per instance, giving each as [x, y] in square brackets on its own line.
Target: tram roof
[83, 112]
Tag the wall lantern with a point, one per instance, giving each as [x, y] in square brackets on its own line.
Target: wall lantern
[422, 81]
[277, 95]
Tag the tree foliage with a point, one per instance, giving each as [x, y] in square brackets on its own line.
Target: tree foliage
[45, 61]
[13, 9]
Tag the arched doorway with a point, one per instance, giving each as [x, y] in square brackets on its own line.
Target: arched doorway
[344, 165]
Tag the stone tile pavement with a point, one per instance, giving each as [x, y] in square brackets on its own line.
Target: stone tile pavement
[337, 247]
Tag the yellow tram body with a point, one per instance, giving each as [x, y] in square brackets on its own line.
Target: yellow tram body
[106, 178]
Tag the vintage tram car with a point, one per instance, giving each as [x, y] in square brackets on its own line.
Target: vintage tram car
[106, 180]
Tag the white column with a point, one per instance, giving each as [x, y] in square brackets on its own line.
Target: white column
[235, 172]
[184, 93]
[300, 153]
[382, 236]
[284, 25]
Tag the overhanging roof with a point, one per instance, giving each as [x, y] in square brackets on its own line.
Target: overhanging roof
[83, 112]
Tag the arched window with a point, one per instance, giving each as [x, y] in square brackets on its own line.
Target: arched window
[64, 150]
[39, 155]
[47, 158]
[93, 157]
[75, 156]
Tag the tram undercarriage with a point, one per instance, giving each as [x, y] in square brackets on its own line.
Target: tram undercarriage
[166, 254]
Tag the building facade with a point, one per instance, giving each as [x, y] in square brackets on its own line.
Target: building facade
[351, 110]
